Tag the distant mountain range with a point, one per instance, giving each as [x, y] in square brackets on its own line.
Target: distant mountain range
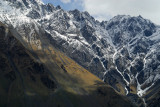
[124, 52]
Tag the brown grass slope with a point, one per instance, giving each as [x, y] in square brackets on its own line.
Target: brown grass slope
[32, 76]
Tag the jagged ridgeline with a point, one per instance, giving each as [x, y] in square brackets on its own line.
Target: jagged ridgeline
[123, 52]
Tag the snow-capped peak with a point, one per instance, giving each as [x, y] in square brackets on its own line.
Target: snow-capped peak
[122, 51]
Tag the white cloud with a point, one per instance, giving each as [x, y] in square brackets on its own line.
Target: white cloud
[65, 1]
[105, 9]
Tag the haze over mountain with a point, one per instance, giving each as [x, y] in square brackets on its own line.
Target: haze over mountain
[123, 52]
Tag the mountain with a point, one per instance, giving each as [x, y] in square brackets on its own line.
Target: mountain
[34, 73]
[40, 75]
[123, 52]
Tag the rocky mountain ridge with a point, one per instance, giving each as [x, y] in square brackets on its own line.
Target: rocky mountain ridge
[123, 52]
[36, 74]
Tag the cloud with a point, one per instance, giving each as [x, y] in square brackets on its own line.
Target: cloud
[65, 1]
[105, 9]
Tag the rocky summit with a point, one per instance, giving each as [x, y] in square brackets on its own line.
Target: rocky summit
[123, 52]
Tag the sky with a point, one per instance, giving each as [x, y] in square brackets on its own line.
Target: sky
[106, 9]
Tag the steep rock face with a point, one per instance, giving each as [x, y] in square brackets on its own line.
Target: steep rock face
[36, 74]
[123, 51]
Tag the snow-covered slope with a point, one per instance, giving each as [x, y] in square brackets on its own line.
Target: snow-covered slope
[123, 51]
